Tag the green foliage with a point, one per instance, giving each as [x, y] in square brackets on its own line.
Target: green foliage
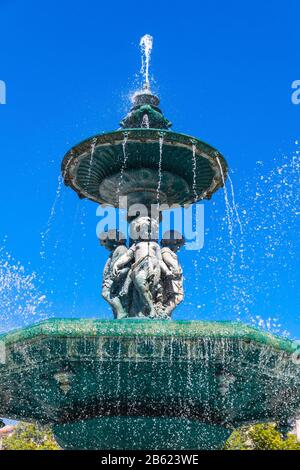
[28, 436]
[261, 437]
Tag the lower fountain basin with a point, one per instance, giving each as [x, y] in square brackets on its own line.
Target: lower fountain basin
[140, 433]
[189, 381]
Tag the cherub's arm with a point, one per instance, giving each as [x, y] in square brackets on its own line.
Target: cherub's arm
[163, 265]
[106, 270]
[170, 261]
[122, 261]
[107, 267]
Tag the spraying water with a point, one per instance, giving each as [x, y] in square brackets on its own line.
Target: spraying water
[265, 253]
[21, 301]
[146, 43]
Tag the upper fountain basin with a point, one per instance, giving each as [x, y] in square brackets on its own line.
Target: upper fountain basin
[126, 163]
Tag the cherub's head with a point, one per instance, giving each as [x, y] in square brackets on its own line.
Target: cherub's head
[112, 239]
[144, 229]
[173, 240]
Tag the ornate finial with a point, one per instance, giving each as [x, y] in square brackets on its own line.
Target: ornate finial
[145, 112]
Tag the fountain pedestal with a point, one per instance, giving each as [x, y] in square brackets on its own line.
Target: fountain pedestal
[147, 384]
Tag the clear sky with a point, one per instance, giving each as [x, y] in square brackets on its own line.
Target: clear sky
[223, 71]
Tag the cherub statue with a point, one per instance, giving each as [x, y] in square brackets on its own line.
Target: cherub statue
[146, 268]
[171, 242]
[113, 286]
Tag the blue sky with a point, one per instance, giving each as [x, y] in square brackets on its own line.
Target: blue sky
[223, 71]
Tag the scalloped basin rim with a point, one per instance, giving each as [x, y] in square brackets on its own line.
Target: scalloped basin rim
[124, 132]
[148, 328]
[85, 174]
[132, 132]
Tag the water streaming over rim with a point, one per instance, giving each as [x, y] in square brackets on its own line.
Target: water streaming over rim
[227, 204]
[146, 44]
[45, 233]
[194, 167]
[229, 215]
[234, 204]
[124, 164]
[93, 146]
[51, 218]
[161, 142]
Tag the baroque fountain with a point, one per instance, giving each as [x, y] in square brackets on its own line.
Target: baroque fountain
[142, 380]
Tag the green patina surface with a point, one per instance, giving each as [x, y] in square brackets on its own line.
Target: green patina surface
[145, 328]
[141, 433]
[85, 173]
[208, 376]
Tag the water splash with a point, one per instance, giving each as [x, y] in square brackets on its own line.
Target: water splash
[270, 324]
[146, 44]
[265, 251]
[21, 299]
[161, 142]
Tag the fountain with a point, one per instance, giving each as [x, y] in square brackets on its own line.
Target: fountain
[142, 380]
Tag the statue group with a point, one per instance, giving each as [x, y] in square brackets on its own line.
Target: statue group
[144, 279]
